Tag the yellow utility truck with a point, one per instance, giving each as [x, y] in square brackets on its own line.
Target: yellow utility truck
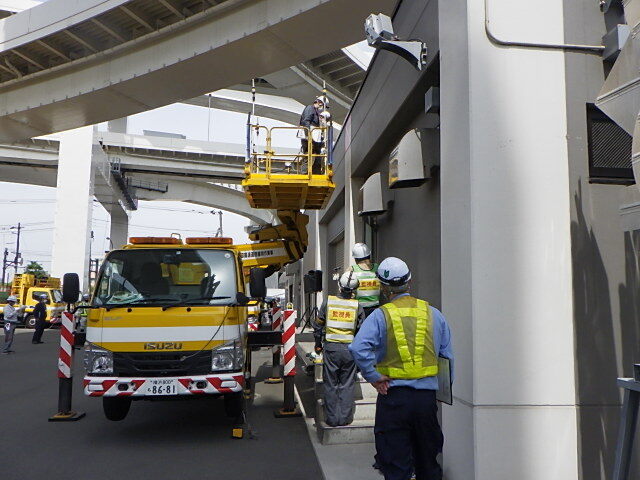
[28, 289]
[169, 319]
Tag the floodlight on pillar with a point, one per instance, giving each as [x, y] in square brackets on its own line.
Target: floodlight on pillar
[379, 31]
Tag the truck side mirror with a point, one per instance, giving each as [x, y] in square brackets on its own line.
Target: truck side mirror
[257, 283]
[70, 288]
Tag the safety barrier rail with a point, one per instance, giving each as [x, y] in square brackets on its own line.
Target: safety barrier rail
[270, 162]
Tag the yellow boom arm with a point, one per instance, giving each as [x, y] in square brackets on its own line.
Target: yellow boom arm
[278, 245]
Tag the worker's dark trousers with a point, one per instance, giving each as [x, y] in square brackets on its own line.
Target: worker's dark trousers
[339, 377]
[408, 435]
[37, 335]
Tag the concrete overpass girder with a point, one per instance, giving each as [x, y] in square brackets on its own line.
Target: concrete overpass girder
[161, 69]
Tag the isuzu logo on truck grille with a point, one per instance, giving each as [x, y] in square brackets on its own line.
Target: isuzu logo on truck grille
[163, 346]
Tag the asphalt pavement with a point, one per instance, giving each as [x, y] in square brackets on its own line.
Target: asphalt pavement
[159, 440]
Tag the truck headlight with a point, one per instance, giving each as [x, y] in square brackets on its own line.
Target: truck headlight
[97, 361]
[227, 357]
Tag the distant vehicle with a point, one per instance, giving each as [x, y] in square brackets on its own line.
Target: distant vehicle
[28, 289]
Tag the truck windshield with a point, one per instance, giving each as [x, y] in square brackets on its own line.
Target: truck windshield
[149, 277]
[57, 296]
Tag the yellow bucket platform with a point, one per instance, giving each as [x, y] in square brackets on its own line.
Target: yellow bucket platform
[287, 181]
[288, 191]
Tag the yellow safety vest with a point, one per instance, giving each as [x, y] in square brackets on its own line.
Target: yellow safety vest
[84, 312]
[410, 350]
[341, 319]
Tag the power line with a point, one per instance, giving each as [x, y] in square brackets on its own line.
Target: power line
[28, 223]
[26, 202]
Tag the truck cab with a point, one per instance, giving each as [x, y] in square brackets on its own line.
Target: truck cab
[165, 322]
[55, 305]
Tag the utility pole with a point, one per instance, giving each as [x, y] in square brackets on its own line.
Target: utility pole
[219, 232]
[4, 266]
[16, 260]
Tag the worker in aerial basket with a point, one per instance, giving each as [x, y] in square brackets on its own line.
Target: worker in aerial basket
[340, 317]
[368, 294]
[312, 119]
[397, 351]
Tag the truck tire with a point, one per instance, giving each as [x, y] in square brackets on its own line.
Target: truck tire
[233, 404]
[116, 409]
[30, 321]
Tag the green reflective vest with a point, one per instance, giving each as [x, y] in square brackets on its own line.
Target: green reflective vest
[410, 350]
[83, 312]
[342, 315]
[368, 293]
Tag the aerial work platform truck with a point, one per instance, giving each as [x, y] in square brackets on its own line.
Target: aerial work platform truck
[170, 318]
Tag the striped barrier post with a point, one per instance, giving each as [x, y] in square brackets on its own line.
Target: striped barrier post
[289, 344]
[276, 325]
[65, 372]
[276, 314]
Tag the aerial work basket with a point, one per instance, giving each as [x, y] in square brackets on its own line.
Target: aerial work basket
[288, 179]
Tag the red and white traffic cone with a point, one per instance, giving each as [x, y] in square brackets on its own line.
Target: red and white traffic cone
[289, 343]
[276, 325]
[65, 372]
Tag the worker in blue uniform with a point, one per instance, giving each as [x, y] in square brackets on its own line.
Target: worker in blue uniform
[397, 350]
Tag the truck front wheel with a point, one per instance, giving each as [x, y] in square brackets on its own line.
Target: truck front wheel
[30, 321]
[115, 408]
[233, 403]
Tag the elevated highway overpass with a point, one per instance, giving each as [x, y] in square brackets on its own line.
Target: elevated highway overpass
[157, 168]
[68, 64]
[118, 170]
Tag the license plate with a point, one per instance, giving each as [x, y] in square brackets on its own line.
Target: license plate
[162, 387]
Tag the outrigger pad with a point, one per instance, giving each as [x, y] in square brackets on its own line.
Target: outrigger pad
[237, 433]
[272, 380]
[282, 413]
[67, 417]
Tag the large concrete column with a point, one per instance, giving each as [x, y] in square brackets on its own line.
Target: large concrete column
[74, 203]
[506, 261]
[119, 229]
[350, 198]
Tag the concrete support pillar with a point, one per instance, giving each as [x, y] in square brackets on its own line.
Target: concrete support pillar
[506, 261]
[74, 204]
[350, 199]
[119, 231]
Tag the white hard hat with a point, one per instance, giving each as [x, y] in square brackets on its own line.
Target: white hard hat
[393, 272]
[86, 297]
[348, 281]
[360, 251]
[324, 100]
[43, 296]
[12, 298]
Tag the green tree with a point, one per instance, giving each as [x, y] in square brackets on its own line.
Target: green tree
[35, 269]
